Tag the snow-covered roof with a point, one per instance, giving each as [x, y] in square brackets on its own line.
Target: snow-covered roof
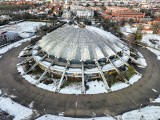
[128, 29]
[88, 43]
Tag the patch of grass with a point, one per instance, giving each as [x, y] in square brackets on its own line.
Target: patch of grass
[37, 70]
[113, 77]
[130, 72]
[47, 82]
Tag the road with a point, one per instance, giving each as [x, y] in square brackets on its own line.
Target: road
[112, 103]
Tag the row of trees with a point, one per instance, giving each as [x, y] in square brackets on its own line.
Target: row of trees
[28, 16]
[14, 7]
[3, 22]
[148, 12]
[114, 28]
[136, 37]
[111, 26]
[156, 28]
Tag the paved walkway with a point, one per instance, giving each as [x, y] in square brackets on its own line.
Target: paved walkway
[80, 105]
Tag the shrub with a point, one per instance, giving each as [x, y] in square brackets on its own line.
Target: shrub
[130, 72]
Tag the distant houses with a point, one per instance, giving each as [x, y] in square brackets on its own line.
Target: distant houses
[119, 13]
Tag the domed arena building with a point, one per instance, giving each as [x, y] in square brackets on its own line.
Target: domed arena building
[80, 54]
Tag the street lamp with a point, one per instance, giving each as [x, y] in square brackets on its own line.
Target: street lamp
[45, 112]
[140, 107]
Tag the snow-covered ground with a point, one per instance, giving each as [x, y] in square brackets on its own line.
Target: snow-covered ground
[20, 27]
[13, 45]
[147, 113]
[24, 26]
[157, 100]
[18, 111]
[53, 117]
[72, 89]
[96, 87]
[141, 60]
[25, 29]
[157, 52]
[126, 30]
[146, 39]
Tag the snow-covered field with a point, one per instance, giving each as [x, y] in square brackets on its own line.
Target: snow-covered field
[20, 112]
[147, 113]
[25, 29]
[157, 100]
[146, 39]
[53, 117]
[141, 60]
[13, 45]
[24, 26]
[20, 28]
[156, 52]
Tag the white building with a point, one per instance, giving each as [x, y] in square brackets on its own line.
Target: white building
[85, 13]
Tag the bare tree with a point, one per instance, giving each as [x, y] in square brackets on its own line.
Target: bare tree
[131, 38]
[156, 27]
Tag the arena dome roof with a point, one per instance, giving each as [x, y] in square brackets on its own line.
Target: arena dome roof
[76, 43]
[80, 53]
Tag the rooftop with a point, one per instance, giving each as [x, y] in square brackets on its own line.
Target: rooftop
[88, 43]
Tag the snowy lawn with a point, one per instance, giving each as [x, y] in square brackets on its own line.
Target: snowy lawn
[53, 117]
[146, 39]
[21, 54]
[18, 111]
[157, 100]
[118, 86]
[156, 52]
[72, 89]
[141, 60]
[147, 113]
[13, 45]
[24, 26]
[96, 87]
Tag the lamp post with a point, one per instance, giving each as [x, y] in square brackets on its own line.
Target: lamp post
[45, 112]
[140, 107]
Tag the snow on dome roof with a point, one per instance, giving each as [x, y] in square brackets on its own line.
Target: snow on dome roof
[80, 44]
